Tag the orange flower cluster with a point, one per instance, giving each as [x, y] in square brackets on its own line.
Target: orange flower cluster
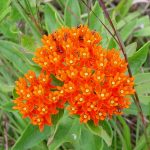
[95, 84]
[35, 100]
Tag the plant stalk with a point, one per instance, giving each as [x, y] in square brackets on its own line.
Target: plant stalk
[100, 21]
[31, 16]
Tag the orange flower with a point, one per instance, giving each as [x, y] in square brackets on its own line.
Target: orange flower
[35, 100]
[86, 89]
[95, 82]
[84, 117]
[72, 73]
[99, 76]
[85, 72]
[70, 60]
[84, 53]
[69, 87]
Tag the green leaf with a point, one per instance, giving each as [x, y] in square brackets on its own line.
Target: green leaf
[103, 131]
[145, 32]
[31, 137]
[128, 30]
[3, 97]
[69, 130]
[6, 88]
[55, 81]
[142, 78]
[123, 7]
[143, 89]
[56, 118]
[15, 95]
[7, 107]
[4, 13]
[89, 141]
[9, 32]
[16, 119]
[144, 99]
[131, 49]
[52, 18]
[61, 3]
[4, 4]
[28, 42]
[142, 85]
[4, 8]
[13, 53]
[136, 27]
[95, 24]
[72, 13]
[142, 144]
[40, 146]
[128, 18]
[6, 75]
[83, 9]
[30, 23]
[139, 58]
[132, 110]
[126, 132]
[112, 44]
[121, 138]
[143, 22]
[93, 21]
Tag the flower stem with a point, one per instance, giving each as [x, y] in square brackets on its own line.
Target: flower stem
[100, 21]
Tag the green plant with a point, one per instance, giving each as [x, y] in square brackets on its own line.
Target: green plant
[22, 24]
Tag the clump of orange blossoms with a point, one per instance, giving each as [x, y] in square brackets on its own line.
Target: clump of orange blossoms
[36, 100]
[95, 82]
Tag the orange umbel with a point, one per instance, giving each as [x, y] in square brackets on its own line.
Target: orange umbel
[35, 100]
[95, 84]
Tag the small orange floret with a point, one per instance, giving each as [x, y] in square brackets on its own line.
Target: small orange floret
[85, 72]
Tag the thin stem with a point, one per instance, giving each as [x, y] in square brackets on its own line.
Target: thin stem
[50, 139]
[137, 129]
[31, 17]
[5, 132]
[89, 6]
[122, 47]
[38, 14]
[100, 21]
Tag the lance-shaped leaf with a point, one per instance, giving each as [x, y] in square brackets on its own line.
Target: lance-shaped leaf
[136, 60]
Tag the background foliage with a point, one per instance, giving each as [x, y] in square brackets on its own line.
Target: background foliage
[22, 22]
